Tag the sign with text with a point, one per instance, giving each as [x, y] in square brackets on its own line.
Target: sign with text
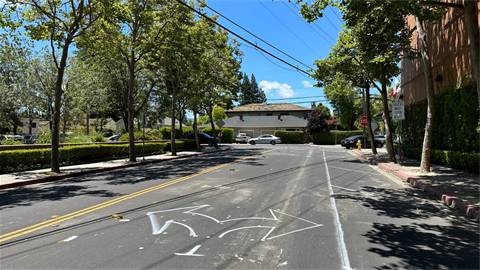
[398, 110]
[334, 120]
[363, 121]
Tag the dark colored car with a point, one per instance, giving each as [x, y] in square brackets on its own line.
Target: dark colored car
[203, 138]
[352, 142]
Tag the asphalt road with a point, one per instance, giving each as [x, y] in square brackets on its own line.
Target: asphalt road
[253, 207]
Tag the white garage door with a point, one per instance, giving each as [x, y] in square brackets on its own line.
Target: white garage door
[270, 132]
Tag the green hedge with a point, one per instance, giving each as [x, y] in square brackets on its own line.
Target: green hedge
[456, 125]
[290, 137]
[138, 137]
[227, 136]
[165, 132]
[20, 160]
[453, 159]
[328, 137]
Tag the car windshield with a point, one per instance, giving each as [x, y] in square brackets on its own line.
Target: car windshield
[206, 135]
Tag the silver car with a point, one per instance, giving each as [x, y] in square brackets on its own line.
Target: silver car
[242, 138]
[265, 139]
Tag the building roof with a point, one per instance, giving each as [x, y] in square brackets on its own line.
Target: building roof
[268, 107]
[287, 121]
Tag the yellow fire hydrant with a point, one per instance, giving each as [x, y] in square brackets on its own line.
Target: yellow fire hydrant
[359, 144]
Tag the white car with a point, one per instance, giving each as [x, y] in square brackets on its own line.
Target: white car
[265, 139]
[242, 137]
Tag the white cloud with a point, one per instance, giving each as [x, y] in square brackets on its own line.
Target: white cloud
[283, 90]
[307, 84]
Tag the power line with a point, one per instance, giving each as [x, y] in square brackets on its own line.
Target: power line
[235, 34]
[307, 23]
[269, 59]
[251, 33]
[336, 14]
[317, 26]
[287, 27]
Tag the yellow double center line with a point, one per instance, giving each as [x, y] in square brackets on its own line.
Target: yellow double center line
[51, 222]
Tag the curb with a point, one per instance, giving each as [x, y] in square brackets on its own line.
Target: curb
[451, 201]
[92, 171]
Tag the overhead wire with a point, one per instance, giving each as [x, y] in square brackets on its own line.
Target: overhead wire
[336, 14]
[238, 36]
[287, 27]
[307, 23]
[317, 25]
[251, 33]
[269, 59]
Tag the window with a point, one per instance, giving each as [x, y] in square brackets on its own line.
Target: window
[269, 114]
[34, 125]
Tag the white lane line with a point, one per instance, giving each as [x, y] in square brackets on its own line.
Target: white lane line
[191, 252]
[249, 227]
[167, 224]
[338, 225]
[340, 168]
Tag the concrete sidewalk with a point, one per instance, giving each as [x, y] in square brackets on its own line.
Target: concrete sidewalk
[457, 189]
[44, 175]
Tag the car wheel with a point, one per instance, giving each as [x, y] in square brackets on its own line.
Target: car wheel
[348, 147]
[252, 142]
[379, 145]
[272, 142]
[210, 143]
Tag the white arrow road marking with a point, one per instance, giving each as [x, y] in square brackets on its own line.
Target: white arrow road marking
[191, 252]
[249, 227]
[167, 224]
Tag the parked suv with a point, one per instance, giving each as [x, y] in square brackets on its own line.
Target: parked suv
[203, 138]
[242, 138]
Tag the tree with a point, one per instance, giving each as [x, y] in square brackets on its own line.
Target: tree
[316, 122]
[325, 111]
[60, 23]
[249, 91]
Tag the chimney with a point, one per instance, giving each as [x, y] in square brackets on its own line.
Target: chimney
[241, 117]
[280, 117]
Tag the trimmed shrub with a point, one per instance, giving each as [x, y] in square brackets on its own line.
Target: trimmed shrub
[165, 132]
[11, 142]
[20, 160]
[138, 137]
[227, 136]
[45, 138]
[291, 137]
[328, 137]
[98, 137]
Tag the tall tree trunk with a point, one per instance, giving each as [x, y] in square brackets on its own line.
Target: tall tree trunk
[369, 121]
[30, 122]
[386, 113]
[427, 140]
[55, 153]
[88, 122]
[214, 133]
[471, 20]
[180, 118]
[195, 126]
[172, 131]
[131, 110]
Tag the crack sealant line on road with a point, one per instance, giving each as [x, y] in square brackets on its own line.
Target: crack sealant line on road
[92, 171]
[48, 223]
[338, 225]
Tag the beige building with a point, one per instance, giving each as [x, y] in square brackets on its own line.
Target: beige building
[37, 125]
[450, 52]
[269, 109]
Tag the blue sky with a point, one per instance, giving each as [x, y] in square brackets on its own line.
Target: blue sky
[278, 23]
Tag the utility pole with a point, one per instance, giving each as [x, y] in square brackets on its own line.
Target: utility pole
[364, 113]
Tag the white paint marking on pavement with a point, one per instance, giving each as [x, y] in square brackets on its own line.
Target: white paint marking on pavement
[282, 264]
[69, 239]
[191, 252]
[338, 225]
[198, 214]
[344, 188]
[297, 217]
[311, 227]
[167, 224]
[249, 227]
[263, 239]
[340, 168]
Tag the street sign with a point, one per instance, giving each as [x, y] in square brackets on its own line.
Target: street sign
[374, 125]
[334, 120]
[398, 110]
[220, 123]
[363, 121]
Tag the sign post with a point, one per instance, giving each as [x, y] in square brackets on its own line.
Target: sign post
[335, 122]
[363, 122]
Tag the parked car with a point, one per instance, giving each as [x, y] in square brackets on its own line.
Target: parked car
[203, 138]
[352, 142]
[383, 138]
[114, 138]
[31, 139]
[242, 138]
[264, 139]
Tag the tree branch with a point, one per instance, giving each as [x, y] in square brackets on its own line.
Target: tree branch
[441, 4]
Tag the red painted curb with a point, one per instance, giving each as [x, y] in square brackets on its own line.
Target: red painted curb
[92, 171]
[372, 160]
[453, 202]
